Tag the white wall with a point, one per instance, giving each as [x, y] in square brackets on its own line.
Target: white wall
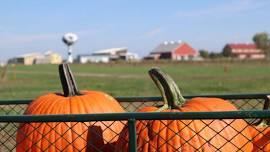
[94, 59]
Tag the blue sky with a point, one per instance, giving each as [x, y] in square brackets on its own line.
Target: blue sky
[38, 25]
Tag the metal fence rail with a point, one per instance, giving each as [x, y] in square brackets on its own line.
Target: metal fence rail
[129, 120]
[131, 104]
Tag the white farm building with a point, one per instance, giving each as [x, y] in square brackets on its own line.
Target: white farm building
[107, 55]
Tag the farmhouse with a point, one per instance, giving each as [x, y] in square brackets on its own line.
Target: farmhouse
[107, 55]
[243, 51]
[174, 51]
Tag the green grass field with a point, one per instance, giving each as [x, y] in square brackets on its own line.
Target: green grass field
[24, 82]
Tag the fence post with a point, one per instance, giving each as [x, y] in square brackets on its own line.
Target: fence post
[266, 102]
[132, 135]
[266, 106]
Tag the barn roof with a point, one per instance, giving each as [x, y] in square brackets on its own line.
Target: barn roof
[185, 49]
[110, 51]
[166, 47]
[242, 46]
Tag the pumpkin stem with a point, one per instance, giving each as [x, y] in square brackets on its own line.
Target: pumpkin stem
[67, 80]
[168, 89]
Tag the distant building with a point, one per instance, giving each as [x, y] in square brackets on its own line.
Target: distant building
[174, 51]
[49, 57]
[2, 63]
[26, 59]
[37, 58]
[243, 51]
[107, 55]
[85, 58]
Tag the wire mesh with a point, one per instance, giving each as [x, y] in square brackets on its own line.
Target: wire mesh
[12, 109]
[8, 136]
[196, 135]
[60, 136]
[92, 135]
[151, 135]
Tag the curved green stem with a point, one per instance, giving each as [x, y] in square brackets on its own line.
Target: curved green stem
[168, 89]
[67, 80]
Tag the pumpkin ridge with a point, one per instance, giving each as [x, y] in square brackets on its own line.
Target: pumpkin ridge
[26, 137]
[156, 125]
[88, 106]
[179, 134]
[39, 107]
[138, 139]
[69, 105]
[161, 134]
[196, 137]
[97, 103]
[174, 137]
[214, 135]
[35, 107]
[170, 135]
[49, 109]
[58, 139]
[44, 134]
[195, 106]
[190, 134]
[84, 105]
[51, 136]
[166, 128]
[80, 105]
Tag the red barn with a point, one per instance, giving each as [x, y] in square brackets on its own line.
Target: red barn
[243, 51]
[174, 51]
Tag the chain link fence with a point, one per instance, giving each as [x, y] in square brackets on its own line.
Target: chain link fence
[132, 104]
[204, 131]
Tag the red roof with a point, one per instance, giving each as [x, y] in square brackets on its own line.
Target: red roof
[185, 49]
[242, 46]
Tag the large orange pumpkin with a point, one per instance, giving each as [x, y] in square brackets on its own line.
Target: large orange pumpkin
[187, 135]
[69, 136]
[260, 138]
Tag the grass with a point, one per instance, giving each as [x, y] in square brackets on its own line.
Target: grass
[23, 82]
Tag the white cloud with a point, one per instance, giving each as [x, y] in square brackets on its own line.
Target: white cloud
[153, 32]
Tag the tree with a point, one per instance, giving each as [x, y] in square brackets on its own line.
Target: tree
[214, 55]
[262, 41]
[204, 53]
[226, 52]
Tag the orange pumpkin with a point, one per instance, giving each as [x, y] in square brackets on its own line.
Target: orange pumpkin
[69, 136]
[187, 135]
[260, 138]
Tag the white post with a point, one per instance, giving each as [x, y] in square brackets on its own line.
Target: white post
[70, 59]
